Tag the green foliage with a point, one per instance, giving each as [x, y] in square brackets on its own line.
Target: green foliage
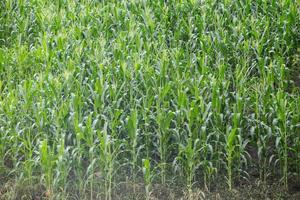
[96, 93]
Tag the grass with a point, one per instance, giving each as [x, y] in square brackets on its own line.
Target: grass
[107, 99]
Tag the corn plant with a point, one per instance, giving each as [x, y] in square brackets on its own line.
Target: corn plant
[47, 163]
[108, 154]
[232, 133]
[164, 121]
[148, 176]
[283, 137]
[133, 136]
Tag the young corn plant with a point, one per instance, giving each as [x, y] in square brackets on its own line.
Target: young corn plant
[295, 159]
[218, 115]
[28, 151]
[109, 150]
[133, 139]
[282, 140]
[47, 163]
[231, 140]
[62, 168]
[148, 176]
[77, 151]
[188, 160]
[164, 121]
[89, 142]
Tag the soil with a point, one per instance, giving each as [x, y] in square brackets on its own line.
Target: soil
[250, 189]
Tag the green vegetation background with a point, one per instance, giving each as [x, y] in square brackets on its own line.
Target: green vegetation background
[178, 93]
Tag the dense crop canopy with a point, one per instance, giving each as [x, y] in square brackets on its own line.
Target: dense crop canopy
[189, 93]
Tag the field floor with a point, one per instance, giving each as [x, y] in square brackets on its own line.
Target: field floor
[253, 189]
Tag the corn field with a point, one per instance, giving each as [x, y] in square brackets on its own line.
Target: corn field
[102, 99]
